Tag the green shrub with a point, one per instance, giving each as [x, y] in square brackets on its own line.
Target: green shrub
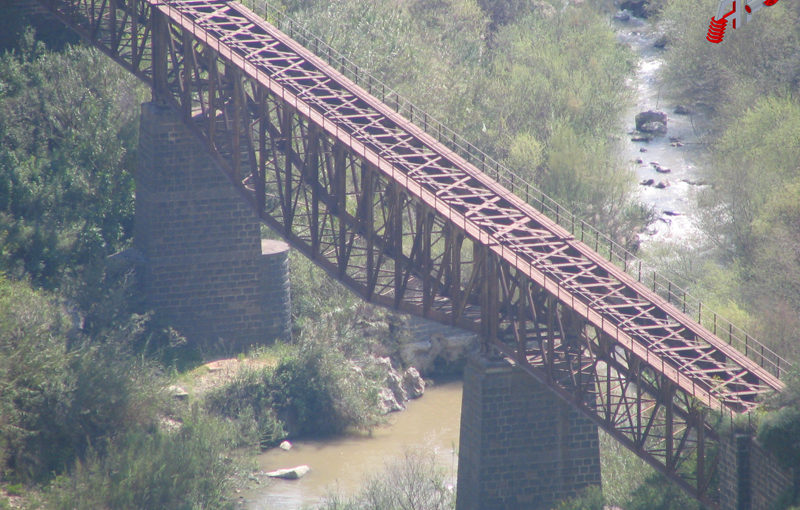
[413, 481]
[56, 400]
[313, 391]
[68, 134]
[15, 489]
[779, 432]
[248, 401]
[318, 392]
[183, 470]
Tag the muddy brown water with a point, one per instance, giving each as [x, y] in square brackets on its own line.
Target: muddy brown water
[430, 424]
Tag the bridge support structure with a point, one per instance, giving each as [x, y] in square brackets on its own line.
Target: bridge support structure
[414, 222]
[750, 477]
[521, 446]
[205, 265]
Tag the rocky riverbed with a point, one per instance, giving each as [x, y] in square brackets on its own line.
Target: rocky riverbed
[666, 158]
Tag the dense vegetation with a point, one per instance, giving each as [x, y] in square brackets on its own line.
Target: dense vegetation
[750, 211]
[538, 85]
[311, 390]
[535, 85]
[746, 89]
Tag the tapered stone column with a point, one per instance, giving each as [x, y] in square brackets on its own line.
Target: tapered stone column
[521, 447]
[204, 267]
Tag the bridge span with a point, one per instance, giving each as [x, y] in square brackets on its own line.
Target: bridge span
[407, 221]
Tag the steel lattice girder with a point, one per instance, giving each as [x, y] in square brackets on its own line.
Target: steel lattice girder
[393, 213]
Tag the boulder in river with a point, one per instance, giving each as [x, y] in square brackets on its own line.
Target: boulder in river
[398, 388]
[294, 473]
[662, 184]
[648, 117]
[285, 446]
[661, 41]
[658, 128]
[431, 347]
[647, 182]
[395, 383]
[413, 383]
[660, 169]
[692, 182]
[682, 110]
[387, 402]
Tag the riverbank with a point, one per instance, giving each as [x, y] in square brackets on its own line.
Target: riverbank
[342, 464]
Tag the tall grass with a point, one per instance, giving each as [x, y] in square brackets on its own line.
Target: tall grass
[189, 469]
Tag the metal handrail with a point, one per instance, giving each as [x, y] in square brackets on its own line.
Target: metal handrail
[635, 267]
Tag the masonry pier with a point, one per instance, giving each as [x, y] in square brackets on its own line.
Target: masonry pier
[521, 447]
[205, 266]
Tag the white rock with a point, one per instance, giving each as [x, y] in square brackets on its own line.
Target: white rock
[395, 383]
[387, 401]
[286, 446]
[177, 392]
[417, 353]
[290, 473]
[413, 383]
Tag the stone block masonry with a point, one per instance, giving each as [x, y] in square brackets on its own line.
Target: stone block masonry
[521, 447]
[205, 267]
[751, 478]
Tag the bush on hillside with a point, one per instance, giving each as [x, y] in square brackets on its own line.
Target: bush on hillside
[68, 137]
[153, 470]
[57, 399]
[313, 390]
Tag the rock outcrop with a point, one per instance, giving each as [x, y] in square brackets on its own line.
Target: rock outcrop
[432, 348]
[398, 388]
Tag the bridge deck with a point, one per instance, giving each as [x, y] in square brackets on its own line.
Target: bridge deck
[639, 319]
[350, 175]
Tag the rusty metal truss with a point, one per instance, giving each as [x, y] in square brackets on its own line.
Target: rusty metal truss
[407, 223]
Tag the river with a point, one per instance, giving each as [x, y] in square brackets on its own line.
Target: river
[430, 423]
[680, 150]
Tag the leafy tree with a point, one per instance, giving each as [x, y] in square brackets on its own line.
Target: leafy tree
[503, 12]
[727, 78]
[59, 396]
[752, 213]
[68, 132]
[556, 92]
[591, 499]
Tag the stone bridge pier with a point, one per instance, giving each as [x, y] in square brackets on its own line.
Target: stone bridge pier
[205, 267]
[521, 446]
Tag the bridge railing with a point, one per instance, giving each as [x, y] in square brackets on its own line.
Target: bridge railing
[603, 244]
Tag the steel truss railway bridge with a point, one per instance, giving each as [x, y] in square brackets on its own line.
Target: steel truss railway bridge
[409, 216]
